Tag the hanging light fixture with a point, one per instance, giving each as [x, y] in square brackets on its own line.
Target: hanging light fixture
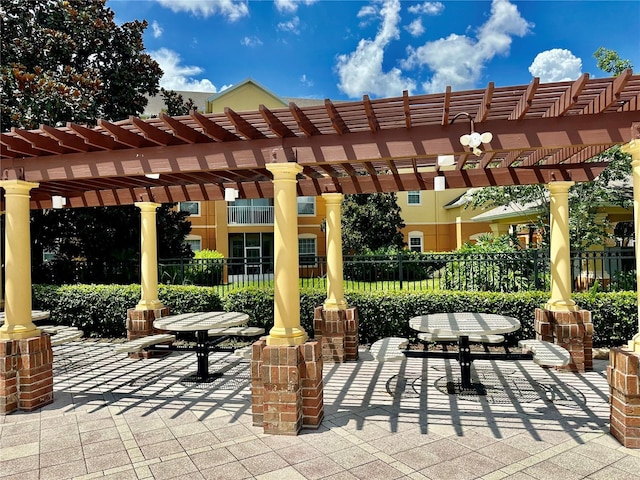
[473, 140]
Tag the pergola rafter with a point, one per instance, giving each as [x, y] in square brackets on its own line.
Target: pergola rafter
[364, 146]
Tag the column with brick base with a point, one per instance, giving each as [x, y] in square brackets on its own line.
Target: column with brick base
[140, 324]
[286, 387]
[571, 330]
[26, 374]
[624, 396]
[337, 332]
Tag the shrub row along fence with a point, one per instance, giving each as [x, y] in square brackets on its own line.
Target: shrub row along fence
[527, 270]
[101, 311]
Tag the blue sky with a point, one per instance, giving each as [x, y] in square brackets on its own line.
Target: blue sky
[344, 49]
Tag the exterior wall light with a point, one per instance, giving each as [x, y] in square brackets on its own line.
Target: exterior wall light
[474, 139]
[230, 194]
[58, 202]
[152, 176]
[439, 183]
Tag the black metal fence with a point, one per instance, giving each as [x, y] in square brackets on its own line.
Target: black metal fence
[611, 269]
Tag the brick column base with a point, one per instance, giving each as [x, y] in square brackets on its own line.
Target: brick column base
[624, 396]
[337, 332]
[286, 387]
[140, 324]
[26, 374]
[571, 330]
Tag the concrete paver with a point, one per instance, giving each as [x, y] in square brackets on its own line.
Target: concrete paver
[114, 417]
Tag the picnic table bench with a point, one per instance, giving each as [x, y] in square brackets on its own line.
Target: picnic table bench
[61, 334]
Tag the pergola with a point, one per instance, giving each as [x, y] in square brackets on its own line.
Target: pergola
[541, 134]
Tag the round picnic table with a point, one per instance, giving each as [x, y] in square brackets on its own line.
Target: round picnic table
[201, 323]
[463, 324]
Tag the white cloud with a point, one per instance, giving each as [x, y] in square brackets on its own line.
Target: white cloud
[291, 6]
[361, 71]
[156, 29]
[306, 81]
[427, 8]
[180, 77]
[415, 28]
[290, 26]
[367, 11]
[458, 60]
[232, 10]
[556, 65]
[251, 41]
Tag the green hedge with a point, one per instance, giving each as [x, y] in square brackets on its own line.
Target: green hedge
[101, 310]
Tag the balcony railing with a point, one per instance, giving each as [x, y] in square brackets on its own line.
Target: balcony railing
[245, 215]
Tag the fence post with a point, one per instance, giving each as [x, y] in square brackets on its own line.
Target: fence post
[400, 267]
[536, 279]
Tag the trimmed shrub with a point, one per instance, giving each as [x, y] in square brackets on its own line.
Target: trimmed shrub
[101, 310]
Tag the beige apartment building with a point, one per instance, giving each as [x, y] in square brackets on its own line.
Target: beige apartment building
[435, 221]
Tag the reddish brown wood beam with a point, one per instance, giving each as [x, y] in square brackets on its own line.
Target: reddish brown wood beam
[245, 128]
[19, 145]
[536, 157]
[525, 100]
[485, 106]
[275, 124]
[486, 159]
[154, 134]
[374, 125]
[446, 106]
[39, 142]
[95, 138]
[568, 98]
[212, 129]
[336, 119]
[183, 131]
[125, 136]
[307, 127]
[610, 95]
[511, 157]
[67, 140]
[407, 108]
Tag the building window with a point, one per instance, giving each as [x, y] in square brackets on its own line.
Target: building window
[194, 241]
[416, 241]
[192, 207]
[307, 249]
[413, 197]
[306, 205]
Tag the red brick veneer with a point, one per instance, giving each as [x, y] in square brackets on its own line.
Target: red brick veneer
[624, 396]
[337, 332]
[26, 373]
[286, 387]
[571, 330]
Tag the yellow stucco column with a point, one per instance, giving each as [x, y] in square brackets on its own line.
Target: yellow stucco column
[633, 148]
[149, 257]
[335, 287]
[17, 305]
[560, 249]
[286, 323]
[1, 281]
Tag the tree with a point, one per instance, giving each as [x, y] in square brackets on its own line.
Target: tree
[176, 104]
[67, 60]
[585, 198]
[609, 61]
[104, 241]
[371, 222]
